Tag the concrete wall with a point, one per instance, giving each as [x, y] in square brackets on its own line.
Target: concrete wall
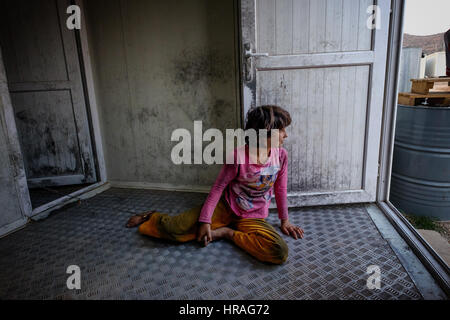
[158, 66]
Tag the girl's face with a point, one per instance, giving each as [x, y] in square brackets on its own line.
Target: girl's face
[282, 135]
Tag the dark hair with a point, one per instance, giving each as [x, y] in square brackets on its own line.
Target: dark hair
[267, 117]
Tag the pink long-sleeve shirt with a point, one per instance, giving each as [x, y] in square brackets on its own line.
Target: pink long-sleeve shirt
[249, 187]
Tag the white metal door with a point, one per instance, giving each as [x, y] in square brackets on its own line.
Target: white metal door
[321, 61]
[44, 78]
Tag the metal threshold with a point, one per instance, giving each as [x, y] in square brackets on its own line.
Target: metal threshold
[427, 255]
[84, 193]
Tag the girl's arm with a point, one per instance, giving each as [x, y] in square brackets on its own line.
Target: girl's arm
[281, 199]
[280, 187]
[226, 175]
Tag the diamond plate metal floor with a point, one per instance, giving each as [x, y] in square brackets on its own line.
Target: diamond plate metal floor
[117, 263]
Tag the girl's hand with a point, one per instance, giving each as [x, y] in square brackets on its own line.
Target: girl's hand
[291, 230]
[204, 233]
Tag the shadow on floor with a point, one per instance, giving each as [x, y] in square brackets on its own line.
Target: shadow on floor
[44, 195]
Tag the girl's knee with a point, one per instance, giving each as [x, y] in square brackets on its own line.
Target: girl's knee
[266, 248]
[277, 251]
[280, 252]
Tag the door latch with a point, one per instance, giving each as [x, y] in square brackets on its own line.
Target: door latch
[248, 61]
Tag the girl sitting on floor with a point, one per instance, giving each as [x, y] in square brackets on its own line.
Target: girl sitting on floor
[239, 200]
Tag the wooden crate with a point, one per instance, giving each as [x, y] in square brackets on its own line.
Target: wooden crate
[423, 86]
[433, 98]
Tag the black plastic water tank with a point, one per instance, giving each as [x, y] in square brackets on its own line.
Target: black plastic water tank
[420, 182]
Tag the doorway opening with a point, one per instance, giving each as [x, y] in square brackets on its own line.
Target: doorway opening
[420, 177]
[46, 87]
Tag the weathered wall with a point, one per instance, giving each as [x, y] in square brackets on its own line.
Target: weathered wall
[158, 66]
[10, 211]
[12, 173]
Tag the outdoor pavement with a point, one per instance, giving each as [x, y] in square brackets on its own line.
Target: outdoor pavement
[330, 262]
[438, 243]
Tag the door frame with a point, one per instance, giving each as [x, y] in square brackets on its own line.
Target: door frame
[15, 155]
[427, 255]
[377, 56]
[87, 76]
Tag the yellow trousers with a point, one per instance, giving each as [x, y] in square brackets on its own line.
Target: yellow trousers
[255, 236]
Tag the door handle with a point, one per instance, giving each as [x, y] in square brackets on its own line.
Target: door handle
[248, 55]
[252, 54]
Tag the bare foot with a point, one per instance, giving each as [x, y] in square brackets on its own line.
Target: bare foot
[222, 233]
[136, 220]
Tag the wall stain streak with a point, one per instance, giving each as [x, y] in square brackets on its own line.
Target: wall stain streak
[196, 65]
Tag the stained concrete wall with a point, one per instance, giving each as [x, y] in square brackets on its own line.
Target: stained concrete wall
[12, 174]
[158, 66]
